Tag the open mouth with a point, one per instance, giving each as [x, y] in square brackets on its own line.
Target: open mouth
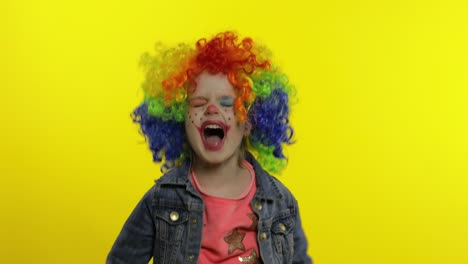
[213, 134]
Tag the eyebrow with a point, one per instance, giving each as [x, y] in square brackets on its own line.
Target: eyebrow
[197, 97]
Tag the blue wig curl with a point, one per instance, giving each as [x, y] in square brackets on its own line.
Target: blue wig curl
[167, 139]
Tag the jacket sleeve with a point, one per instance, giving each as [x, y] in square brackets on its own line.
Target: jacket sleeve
[135, 242]
[300, 241]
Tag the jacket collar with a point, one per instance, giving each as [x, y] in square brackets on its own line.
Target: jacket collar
[267, 188]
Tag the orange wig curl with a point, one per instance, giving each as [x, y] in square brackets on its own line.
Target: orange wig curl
[221, 54]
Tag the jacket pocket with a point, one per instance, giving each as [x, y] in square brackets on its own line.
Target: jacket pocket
[282, 237]
[170, 223]
[170, 228]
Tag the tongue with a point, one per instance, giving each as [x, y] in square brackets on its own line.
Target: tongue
[213, 141]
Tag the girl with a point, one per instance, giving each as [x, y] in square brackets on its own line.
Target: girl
[216, 115]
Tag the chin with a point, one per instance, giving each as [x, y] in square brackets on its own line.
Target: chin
[217, 157]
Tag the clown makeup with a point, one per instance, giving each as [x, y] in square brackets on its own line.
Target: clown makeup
[211, 127]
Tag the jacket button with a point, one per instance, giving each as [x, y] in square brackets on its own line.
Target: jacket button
[174, 216]
[282, 227]
[190, 258]
[194, 221]
[263, 236]
[258, 205]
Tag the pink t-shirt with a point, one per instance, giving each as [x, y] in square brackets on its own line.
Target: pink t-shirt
[230, 227]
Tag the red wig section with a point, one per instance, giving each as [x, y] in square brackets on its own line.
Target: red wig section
[221, 54]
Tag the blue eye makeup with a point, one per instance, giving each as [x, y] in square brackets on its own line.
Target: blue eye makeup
[226, 101]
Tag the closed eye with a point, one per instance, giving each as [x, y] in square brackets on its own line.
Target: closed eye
[197, 102]
[226, 101]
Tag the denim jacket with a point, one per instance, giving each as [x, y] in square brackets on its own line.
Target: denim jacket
[167, 223]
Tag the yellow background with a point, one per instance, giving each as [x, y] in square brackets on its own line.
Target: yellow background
[381, 161]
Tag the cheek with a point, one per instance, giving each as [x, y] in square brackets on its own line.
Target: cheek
[188, 119]
[190, 122]
[191, 132]
[194, 116]
[228, 113]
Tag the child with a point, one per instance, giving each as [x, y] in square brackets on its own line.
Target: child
[207, 112]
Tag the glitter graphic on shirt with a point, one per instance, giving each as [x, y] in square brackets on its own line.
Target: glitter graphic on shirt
[235, 241]
[254, 219]
[250, 259]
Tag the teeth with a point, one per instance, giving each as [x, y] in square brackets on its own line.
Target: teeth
[213, 126]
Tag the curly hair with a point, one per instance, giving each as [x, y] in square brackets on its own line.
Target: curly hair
[263, 95]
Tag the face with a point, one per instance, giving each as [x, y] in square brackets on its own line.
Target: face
[211, 127]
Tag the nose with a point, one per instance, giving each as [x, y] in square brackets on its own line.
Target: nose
[211, 110]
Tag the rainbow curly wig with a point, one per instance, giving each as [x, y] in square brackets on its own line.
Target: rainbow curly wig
[263, 97]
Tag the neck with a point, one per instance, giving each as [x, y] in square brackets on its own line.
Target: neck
[220, 171]
[228, 179]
